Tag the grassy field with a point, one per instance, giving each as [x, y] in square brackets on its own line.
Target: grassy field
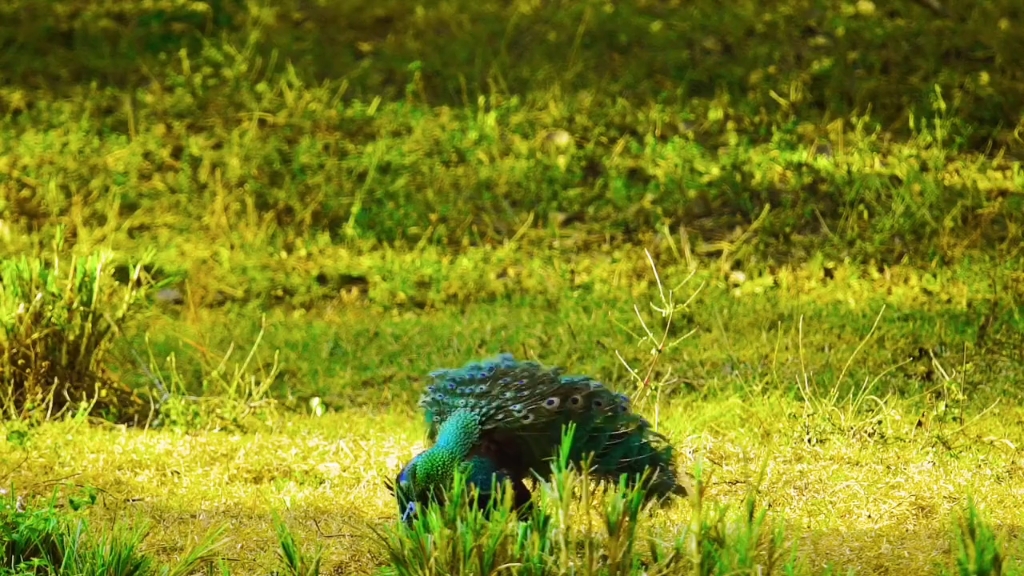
[873, 419]
[236, 237]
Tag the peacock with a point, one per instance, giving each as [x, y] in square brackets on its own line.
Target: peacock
[502, 419]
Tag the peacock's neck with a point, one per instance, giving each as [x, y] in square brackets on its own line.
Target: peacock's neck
[455, 439]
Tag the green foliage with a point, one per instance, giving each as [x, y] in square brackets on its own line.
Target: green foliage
[221, 137]
[221, 398]
[58, 320]
[31, 537]
[579, 529]
[978, 551]
[294, 560]
[117, 552]
[46, 540]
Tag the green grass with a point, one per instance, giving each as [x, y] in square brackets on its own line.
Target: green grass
[868, 453]
[809, 56]
[51, 538]
[883, 501]
[235, 138]
[333, 171]
[235, 237]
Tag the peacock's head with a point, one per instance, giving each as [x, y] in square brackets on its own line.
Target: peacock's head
[404, 490]
[428, 474]
[414, 485]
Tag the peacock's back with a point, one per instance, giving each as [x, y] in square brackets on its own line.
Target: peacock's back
[522, 408]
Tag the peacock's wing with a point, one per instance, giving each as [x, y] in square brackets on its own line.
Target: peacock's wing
[635, 451]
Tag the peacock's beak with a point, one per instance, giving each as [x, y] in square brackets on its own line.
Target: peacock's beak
[405, 493]
[409, 513]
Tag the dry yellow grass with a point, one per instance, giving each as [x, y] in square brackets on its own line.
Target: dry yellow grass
[878, 503]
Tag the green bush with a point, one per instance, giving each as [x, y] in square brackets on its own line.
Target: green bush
[58, 320]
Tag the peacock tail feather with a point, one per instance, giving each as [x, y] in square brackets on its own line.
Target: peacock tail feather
[505, 418]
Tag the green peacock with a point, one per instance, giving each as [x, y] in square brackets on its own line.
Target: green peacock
[503, 418]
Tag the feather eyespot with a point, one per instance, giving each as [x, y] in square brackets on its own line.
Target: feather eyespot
[552, 402]
[528, 418]
[521, 383]
[436, 418]
[598, 403]
[481, 388]
[515, 407]
[451, 385]
[575, 400]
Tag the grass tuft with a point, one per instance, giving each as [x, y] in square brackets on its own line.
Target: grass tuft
[45, 539]
[294, 560]
[978, 550]
[578, 528]
[58, 321]
[227, 397]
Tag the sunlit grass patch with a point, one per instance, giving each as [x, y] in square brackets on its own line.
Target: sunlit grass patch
[48, 537]
[881, 506]
[578, 527]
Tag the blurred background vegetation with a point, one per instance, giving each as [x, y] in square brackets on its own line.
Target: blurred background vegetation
[874, 131]
[305, 154]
